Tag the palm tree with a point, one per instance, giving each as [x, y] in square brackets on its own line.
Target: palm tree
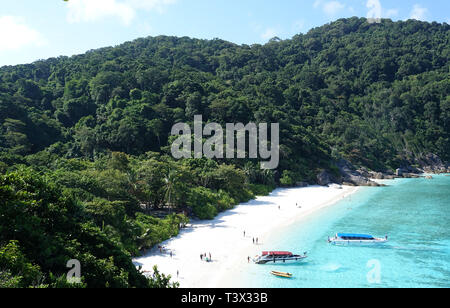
[170, 182]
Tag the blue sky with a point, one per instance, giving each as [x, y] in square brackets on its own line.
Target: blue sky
[31, 30]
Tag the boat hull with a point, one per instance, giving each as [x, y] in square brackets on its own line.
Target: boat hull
[292, 260]
[358, 242]
[280, 274]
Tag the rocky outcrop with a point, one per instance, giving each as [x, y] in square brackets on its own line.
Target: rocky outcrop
[324, 178]
[352, 176]
[432, 163]
[429, 163]
[376, 175]
[411, 176]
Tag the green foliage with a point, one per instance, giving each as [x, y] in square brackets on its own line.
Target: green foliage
[86, 139]
[287, 178]
[260, 189]
[16, 270]
[366, 92]
[50, 229]
[203, 202]
[155, 231]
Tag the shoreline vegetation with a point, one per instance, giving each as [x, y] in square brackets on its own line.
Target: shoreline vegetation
[86, 170]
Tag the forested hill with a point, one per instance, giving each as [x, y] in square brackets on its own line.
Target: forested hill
[372, 93]
[85, 165]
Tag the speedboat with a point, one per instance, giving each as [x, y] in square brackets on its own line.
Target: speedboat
[345, 239]
[281, 274]
[279, 257]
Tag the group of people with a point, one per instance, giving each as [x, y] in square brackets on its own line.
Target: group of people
[204, 257]
[161, 248]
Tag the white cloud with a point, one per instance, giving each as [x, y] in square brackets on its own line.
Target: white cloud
[15, 34]
[376, 11]
[269, 33]
[125, 10]
[332, 8]
[419, 13]
[89, 10]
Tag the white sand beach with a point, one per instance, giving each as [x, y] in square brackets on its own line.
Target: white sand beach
[224, 238]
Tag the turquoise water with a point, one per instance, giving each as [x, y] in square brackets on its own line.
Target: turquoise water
[415, 213]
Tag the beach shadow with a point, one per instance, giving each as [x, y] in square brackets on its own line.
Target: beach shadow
[257, 203]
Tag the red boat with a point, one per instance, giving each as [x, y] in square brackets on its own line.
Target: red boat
[279, 257]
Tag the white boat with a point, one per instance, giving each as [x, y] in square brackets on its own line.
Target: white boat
[346, 239]
[283, 257]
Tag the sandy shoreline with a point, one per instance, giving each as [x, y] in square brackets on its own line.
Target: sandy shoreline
[224, 238]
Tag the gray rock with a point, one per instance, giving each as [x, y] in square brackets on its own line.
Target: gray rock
[377, 175]
[410, 176]
[364, 172]
[324, 178]
[431, 163]
[302, 184]
[351, 175]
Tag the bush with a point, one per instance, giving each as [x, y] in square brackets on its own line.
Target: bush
[203, 201]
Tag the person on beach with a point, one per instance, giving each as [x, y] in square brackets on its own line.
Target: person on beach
[244, 233]
[201, 257]
[178, 273]
[171, 254]
[248, 259]
[210, 258]
[257, 241]
[253, 241]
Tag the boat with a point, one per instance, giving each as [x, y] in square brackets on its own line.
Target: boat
[281, 274]
[345, 239]
[279, 257]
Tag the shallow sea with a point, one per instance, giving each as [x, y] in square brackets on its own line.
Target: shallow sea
[414, 213]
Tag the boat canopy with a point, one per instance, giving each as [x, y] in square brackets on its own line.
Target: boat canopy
[277, 253]
[352, 235]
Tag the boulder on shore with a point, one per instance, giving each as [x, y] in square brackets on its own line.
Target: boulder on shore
[301, 184]
[324, 178]
[351, 175]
